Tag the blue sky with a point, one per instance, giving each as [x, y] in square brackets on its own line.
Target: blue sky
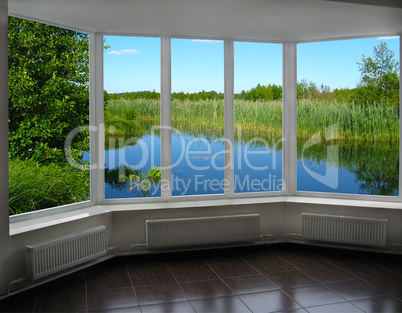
[133, 63]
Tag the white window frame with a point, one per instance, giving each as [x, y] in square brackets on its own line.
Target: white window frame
[289, 129]
[361, 197]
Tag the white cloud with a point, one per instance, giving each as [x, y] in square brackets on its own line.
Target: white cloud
[125, 51]
[205, 40]
[388, 38]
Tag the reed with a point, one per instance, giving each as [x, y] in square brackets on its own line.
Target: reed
[264, 118]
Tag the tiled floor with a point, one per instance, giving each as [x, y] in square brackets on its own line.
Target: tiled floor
[269, 278]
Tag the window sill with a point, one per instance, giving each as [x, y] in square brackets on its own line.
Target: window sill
[22, 226]
[19, 226]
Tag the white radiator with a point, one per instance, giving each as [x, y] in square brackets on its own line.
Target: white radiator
[345, 229]
[202, 230]
[49, 257]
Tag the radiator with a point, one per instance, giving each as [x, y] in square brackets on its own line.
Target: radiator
[180, 232]
[345, 229]
[49, 257]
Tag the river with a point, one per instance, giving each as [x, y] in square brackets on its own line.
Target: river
[198, 166]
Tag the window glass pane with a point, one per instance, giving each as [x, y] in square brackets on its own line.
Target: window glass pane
[347, 116]
[257, 117]
[132, 117]
[48, 110]
[197, 117]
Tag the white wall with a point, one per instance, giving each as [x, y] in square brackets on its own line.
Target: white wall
[127, 227]
[4, 224]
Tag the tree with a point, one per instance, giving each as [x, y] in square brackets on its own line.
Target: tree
[48, 89]
[379, 77]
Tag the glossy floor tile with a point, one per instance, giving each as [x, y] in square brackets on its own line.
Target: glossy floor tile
[268, 278]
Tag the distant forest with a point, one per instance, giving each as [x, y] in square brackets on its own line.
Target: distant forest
[363, 94]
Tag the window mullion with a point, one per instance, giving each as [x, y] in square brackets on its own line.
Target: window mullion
[229, 115]
[166, 120]
[290, 116]
[96, 118]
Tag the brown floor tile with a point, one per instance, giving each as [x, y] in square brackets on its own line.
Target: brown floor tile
[249, 284]
[313, 296]
[303, 260]
[270, 301]
[379, 277]
[233, 269]
[111, 299]
[354, 290]
[328, 274]
[319, 279]
[385, 304]
[343, 307]
[133, 309]
[60, 300]
[73, 281]
[193, 273]
[222, 304]
[222, 258]
[291, 279]
[260, 255]
[272, 265]
[205, 289]
[109, 276]
[146, 277]
[149, 265]
[173, 307]
[185, 262]
[341, 258]
[389, 262]
[159, 294]
[22, 302]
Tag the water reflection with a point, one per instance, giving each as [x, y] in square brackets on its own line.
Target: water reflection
[361, 167]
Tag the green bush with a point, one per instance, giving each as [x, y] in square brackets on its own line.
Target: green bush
[35, 187]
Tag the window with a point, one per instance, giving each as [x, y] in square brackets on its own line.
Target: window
[257, 117]
[132, 117]
[48, 114]
[347, 117]
[197, 117]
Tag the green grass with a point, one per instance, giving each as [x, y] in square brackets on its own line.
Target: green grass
[264, 118]
[35, 187]
[355, 122]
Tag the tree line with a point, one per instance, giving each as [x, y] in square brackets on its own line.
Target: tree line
[379, 84]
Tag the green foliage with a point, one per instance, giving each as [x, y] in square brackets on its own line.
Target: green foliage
[382, 63]
[140, 181]
[261, 93]
[264, 118]
[149, 95]
[199, 96]
[307, 90]
[48, 89]
[355, 122]
[180, 96]
[34, 186]
[119, 126]
[380, 78]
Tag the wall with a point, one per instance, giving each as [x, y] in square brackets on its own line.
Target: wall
[394, 216]
[5, 275]
[127, 227]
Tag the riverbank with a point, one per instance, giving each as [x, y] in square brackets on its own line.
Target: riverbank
[377, 123]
